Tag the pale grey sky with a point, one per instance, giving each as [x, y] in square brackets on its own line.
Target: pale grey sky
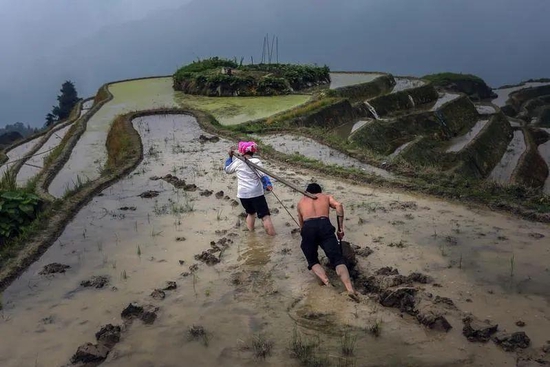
[44, 42]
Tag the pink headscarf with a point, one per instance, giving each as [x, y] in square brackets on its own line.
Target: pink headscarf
[247, 147]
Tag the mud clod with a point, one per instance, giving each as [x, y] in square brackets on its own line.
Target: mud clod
[54, 268]
[445, 301]
[208, 258]
[132, 311]
[387, 270]
[158, 294]
[208, 139]
[128, 208]
[96, 282]
[90, 353]
[295, 230]
[170, 286]
[220, 195]
[520, 323]
[349, 255]
[511, 342]
[149, 314]
[434, 321]
[402, 298]
[180, 239]
[108, 335]
[206, 193]
[536, 236]
[149, 194]
[365, 251]
[419, 278]
[190, 187]
[476, 331]
[234, 203]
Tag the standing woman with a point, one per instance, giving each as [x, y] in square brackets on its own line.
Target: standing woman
[251, 185]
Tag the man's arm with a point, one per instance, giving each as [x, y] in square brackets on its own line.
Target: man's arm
[300, 218]
[339, 212]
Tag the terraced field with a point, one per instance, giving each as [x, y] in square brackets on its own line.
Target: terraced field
[169, 237]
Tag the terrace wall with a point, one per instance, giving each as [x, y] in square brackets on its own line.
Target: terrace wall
[363, 91]
[400, 101]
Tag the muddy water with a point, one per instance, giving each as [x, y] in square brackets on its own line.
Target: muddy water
[90, 155]
[446, 97]
[17, 153]
[290, 144]
[502, 173]
[402, 83]
[458, 143]
[88, 104]
[34, 164]
[339, 80]
[262, 284]
[503, 94]
[544, 150]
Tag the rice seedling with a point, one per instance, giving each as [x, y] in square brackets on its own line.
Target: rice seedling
[348, 342]
[260, 346]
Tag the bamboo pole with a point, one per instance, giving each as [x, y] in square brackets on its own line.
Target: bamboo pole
[282, 180]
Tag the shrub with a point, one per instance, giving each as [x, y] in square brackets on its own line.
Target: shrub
[17, 209]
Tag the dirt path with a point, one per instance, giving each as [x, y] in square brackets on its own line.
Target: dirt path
[261, 283]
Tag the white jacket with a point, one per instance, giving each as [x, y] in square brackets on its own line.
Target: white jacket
[249, 184]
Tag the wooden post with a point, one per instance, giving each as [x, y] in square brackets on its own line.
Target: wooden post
[261, 169]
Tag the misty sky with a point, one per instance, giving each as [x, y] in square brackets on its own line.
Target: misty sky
[43, 43]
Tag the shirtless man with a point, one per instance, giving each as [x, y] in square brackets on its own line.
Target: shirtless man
[316, 230]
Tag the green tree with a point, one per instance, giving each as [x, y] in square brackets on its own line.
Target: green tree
[50, 119]
[67, 100]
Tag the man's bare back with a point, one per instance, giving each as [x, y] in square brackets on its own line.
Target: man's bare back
[315, 208]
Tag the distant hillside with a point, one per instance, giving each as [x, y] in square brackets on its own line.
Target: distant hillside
[7, 139]
[18, 127]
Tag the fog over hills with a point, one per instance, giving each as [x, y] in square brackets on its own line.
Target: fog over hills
[503, 41]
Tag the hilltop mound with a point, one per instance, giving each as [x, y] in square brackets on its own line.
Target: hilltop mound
[473, 86]
[217, 77]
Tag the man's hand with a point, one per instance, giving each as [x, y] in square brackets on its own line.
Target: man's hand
[230, 151]
[340, 234]
[269, 188]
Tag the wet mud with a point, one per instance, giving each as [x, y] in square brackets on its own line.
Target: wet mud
[430, 264]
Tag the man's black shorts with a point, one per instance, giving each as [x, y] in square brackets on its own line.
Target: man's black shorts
[257, 205]
[320, 232]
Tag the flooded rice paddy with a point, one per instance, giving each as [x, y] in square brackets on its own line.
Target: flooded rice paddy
[34, 164]
[458, 143]
[17, 153]
[237, 110]
[339, 80]
[90, 154]
[309, 148]
[485, 109]
[261, 285]
[504, 93]
[502, 173]
[404, 83]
